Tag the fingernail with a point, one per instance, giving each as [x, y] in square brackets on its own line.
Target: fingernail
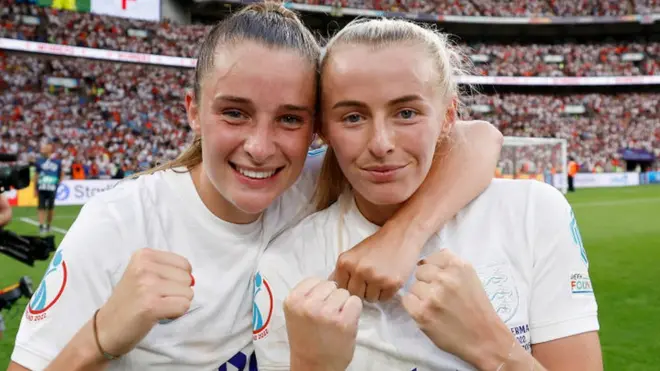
[192, 283]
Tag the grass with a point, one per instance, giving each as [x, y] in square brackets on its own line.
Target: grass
[621, 232]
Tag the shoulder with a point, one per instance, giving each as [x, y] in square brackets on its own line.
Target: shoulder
[126, 207]
[519, 192]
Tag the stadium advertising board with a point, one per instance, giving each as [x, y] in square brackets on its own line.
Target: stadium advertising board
[597, 180]
[77, 192]
[653, 177]
[163, 60]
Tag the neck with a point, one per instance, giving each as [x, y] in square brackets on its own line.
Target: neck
[215, 202]
[377, 214]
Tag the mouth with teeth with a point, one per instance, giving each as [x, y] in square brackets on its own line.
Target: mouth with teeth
[254, 174]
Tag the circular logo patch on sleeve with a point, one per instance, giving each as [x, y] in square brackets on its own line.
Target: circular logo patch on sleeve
[50, 289]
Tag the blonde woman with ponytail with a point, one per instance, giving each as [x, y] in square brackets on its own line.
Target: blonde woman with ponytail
[157, 274]
[504, 286]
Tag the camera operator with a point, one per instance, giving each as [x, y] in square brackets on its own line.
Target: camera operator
[5, 211]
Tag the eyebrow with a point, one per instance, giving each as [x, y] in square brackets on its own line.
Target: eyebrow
[393, 102]
[241, 100]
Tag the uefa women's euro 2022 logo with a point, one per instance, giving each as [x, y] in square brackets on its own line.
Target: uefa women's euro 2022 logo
[50, 289]
[262, 307]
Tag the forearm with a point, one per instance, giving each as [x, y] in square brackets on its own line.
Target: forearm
[464, 168]
[80, 354]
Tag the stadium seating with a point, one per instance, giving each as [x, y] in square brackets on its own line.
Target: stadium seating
[120, 115]
[115, 118]
[165, 38]
[110, 116]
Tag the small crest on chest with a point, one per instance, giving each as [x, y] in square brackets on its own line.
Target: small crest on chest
[499, 284]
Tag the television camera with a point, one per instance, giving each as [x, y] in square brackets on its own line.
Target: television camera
[26, 249]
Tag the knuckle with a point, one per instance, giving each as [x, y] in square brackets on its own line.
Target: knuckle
[369, 272]
[344, 262]
[392, 283]
[186, 264]
[144, 254]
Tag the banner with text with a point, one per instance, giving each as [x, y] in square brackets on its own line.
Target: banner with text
[597, 180]
[77, 192]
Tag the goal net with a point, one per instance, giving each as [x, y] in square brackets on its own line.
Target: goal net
[543, 159]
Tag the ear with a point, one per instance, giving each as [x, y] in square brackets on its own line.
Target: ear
[192, 111]
[450, 117]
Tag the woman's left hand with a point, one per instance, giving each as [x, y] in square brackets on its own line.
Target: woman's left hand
[448, 302]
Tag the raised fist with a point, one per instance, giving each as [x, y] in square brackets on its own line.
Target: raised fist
[156, 285]
[322, 323]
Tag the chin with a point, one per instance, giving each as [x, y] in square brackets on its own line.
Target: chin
[253, 203]
[386, 194]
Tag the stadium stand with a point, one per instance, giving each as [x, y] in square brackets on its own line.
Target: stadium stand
[166, 38]
[130, 115]
[117, 118]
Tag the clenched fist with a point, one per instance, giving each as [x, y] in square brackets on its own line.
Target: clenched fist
[155, 286]
[450, 305]
[322, 323]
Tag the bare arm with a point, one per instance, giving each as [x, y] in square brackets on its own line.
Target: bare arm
[80, 354]
[574, 353]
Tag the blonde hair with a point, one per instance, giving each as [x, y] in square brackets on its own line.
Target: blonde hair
[269, 23]
[380, 33]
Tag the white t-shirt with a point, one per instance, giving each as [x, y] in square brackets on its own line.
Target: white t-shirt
[161, 211]
[520, 236]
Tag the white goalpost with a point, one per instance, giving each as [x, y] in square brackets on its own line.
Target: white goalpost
[543, 159]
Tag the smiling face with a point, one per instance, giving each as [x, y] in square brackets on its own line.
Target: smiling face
[255, 118]
[383, 116]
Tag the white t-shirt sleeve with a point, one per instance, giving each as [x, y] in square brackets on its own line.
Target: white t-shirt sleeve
[562, 298]
[77, 282]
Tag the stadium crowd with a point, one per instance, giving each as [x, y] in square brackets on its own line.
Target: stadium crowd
[115, 118]
[502, 8]
[33, 23]
[104, 116]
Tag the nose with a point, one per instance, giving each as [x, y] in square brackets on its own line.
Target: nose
[382, 139]
[259, 144]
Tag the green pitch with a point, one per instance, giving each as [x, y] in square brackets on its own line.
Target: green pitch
[621, 232]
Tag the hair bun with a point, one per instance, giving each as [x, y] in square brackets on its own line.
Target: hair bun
[270, 7]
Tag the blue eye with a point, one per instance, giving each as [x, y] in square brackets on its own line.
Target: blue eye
[407, 114]
[234, 114]
[352, 118]
[292, 120]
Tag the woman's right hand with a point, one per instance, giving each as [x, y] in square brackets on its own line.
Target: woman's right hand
[322, 323]
[156, 285]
